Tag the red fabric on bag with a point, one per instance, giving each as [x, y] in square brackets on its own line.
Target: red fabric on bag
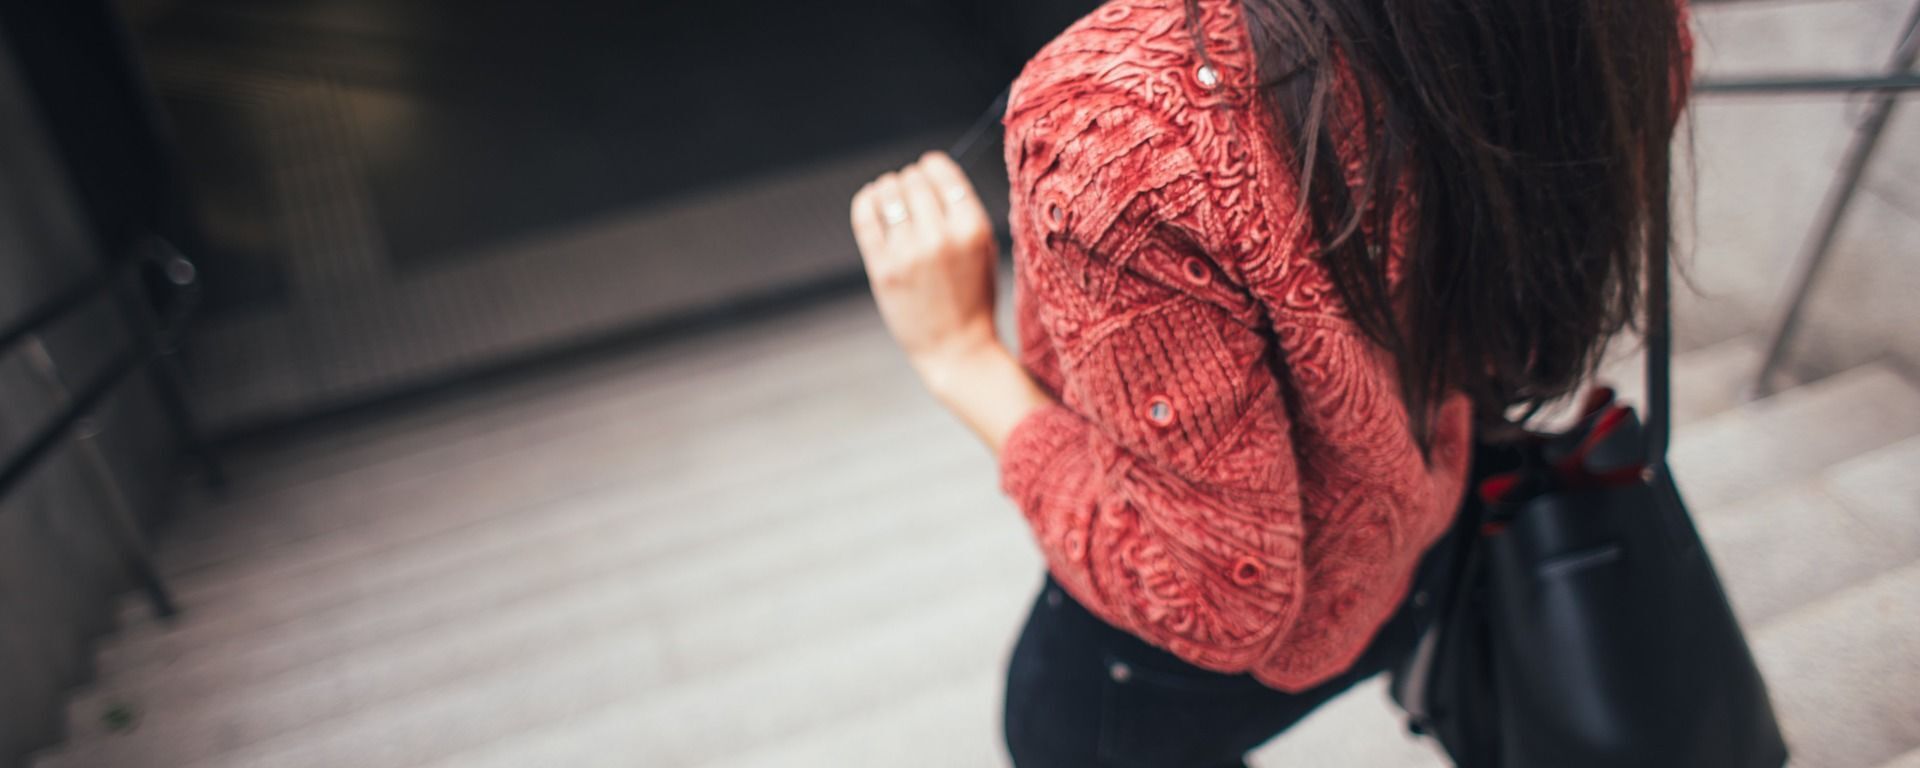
[1228, 472]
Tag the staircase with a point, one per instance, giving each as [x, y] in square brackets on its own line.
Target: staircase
[767, 547]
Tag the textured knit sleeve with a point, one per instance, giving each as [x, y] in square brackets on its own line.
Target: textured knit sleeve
[1162, 486]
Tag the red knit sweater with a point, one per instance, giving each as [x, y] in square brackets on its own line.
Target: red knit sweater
[1181, 488]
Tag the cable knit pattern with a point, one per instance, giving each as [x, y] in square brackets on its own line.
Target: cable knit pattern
[1228, 472]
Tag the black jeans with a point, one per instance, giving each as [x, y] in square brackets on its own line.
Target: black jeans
[1084, 694]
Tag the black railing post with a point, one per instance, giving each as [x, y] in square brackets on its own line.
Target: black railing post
[151, 342]
[122, 526]
[163, 371]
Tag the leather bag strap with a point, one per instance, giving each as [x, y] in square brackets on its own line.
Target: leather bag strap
[1659, 337]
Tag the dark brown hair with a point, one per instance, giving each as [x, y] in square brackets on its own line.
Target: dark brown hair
[1533, 135]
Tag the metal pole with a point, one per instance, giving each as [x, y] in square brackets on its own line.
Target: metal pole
[163, 371]
[1774, 86]
[133, 545]
[121, 524]
[1866, 140]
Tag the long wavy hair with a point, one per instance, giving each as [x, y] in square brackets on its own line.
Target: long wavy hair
[1534, 136]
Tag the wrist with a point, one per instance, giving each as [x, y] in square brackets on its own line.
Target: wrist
[985, 385]
[951, 368]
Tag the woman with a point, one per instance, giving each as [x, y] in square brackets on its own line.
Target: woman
[1277, 263]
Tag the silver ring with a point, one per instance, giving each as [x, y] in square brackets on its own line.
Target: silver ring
[893, 212]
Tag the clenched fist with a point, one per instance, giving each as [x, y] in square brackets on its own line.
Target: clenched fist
[930, 256]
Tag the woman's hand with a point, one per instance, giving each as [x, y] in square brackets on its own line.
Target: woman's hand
[930, 257]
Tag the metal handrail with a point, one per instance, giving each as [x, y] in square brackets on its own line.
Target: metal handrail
[1776, 86]
[151, 341]
[147, 344]
[1866, 139]
[65, 301]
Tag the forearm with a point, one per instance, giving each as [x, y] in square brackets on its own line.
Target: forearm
[986, 387]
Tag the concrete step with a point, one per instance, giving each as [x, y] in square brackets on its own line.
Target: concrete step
[633, 419]
[695, 629]
[1883, 489]
[1360, 729]
[514, 478]
[468, 428]
[1792, 547]
[450, 422]
[868, 669]
[952, 724]
[1908, 760]
[594, 706]
[1843, 673]
[440, 523]
[1785, 438]
[737, 539]
[341, 570]
[231, 669]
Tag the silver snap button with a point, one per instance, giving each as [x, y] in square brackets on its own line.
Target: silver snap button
[1120, 672]
[1053, 598]
[1420, 599]
[1207, 76]
[1159, 411]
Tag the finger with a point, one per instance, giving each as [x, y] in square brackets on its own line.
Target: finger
[890, 201]
[965, 212]
[868, 231]
[923, 204]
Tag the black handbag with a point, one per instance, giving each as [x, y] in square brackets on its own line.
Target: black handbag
[1585, 626]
